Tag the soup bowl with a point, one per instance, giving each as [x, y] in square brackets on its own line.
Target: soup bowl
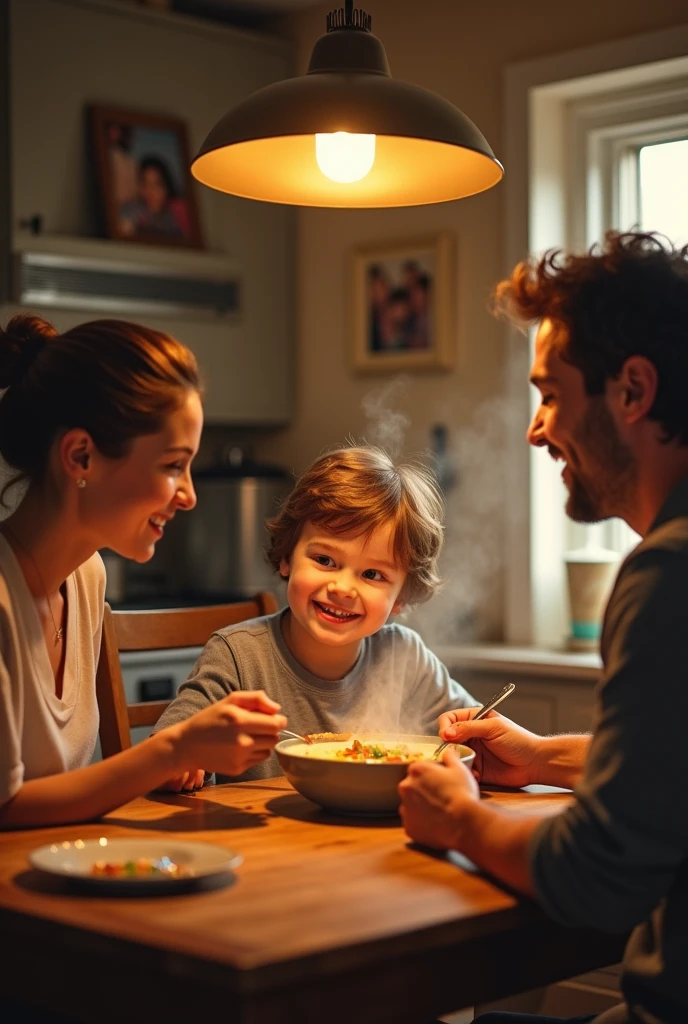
[354, 787]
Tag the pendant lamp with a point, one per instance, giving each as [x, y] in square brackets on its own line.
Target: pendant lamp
[346, 134]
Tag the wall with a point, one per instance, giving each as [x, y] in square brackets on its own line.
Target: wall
[182, 67]
[458, 50]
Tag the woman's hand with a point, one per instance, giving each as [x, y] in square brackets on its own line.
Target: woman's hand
[436, 801]
[505, 753]
[230, 736]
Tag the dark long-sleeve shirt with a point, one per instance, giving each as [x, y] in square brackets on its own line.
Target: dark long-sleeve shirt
[618, 857]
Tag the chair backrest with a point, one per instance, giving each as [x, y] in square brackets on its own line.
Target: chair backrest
[155, 631]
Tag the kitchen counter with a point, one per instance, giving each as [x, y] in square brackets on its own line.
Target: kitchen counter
[524, 661]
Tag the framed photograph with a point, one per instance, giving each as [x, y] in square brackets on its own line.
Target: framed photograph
[142, 165]
[403, 305]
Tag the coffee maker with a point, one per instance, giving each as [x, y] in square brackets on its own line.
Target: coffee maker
[223, 540]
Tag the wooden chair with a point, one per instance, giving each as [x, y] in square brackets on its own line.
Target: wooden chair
[155, 631]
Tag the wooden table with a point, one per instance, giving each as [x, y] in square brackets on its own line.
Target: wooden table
[330, 919]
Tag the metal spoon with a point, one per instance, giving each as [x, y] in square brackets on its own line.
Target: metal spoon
[295, 736]
[492, 703]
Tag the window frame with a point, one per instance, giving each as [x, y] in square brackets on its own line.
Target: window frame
[547, 104]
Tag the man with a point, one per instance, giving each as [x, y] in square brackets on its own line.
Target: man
[611, 366]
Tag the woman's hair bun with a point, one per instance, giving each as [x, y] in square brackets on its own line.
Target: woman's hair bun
[20, 343]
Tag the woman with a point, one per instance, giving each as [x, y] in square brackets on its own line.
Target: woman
[157, 210]
[102, 423]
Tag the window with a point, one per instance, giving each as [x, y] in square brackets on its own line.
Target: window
[662, 174]
[635, 175]
[607, 134]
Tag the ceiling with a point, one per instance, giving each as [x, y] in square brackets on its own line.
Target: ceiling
[263, 15]
[261, 6]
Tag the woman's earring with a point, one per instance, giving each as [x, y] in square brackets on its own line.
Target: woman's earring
[81, 483]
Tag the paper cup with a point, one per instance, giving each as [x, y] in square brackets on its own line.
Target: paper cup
[591, 572]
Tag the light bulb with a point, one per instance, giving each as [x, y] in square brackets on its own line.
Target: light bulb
[344, 157]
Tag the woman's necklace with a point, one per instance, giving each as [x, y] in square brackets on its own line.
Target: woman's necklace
[59, 633]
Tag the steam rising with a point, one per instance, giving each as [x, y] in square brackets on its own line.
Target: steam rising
[480, 476]
[472, 559]
[385, 425]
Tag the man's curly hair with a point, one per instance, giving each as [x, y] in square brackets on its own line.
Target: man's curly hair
[625, 297]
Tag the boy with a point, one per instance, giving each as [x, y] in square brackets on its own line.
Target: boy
[357, 539]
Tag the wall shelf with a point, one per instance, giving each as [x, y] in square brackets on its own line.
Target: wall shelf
[124, 280]
[194, 262]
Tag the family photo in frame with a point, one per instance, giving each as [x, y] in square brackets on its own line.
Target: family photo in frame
[403, 305]
[142, 166]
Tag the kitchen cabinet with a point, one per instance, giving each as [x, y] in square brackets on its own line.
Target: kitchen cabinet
[66, 54]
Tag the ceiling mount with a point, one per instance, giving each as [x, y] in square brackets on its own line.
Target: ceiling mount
[349, 17]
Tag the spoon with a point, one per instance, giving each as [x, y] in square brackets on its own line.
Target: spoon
[295, 736]
[492, 703]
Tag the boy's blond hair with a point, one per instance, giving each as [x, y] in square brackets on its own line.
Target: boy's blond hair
[356, 490]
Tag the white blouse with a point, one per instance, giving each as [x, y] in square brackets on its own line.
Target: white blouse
[40, 733]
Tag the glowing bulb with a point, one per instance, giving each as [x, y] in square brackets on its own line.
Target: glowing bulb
[344, 157]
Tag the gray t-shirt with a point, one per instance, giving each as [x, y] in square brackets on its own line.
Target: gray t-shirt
[618, 857]
[396, 685]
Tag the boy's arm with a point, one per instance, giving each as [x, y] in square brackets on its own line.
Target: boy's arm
[214, 676]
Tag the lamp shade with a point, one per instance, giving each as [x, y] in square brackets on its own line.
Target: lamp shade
[425, 149]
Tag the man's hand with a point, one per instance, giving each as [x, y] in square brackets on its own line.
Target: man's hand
[441, 808]
[505, 753]
[436, 800]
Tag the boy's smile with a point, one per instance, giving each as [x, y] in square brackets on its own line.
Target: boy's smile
[341, 589]
[331, 613]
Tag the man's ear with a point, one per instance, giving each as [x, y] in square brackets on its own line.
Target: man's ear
[637, 386]
[284, 568]
[398, 606]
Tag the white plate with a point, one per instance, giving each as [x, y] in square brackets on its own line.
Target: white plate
[204, 863]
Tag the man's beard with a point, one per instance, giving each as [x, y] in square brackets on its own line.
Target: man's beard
[603, 491]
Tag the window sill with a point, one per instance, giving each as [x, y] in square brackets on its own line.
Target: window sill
[524, 661]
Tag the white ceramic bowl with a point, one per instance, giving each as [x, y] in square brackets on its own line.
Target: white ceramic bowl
[353, 787]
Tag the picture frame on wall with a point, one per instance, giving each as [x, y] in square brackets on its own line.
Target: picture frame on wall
[143, 177]
[403, 301]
